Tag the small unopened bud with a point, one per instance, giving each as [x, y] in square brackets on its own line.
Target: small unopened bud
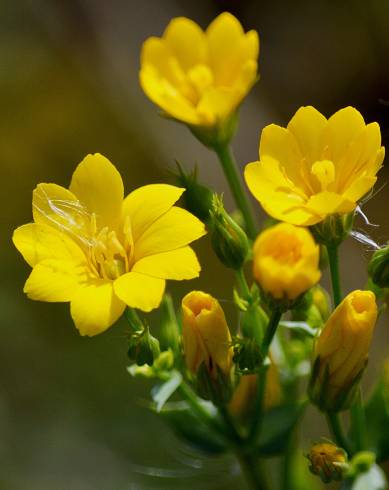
[333, 229]
[143, 347]
[247, 355]
[229, 241]
[207, 345]
[327, 461]
[341, 352]
[379, 267]
[197, 197]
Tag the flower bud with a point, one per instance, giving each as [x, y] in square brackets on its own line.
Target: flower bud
[229, 241]
[205, 332]
[143, 347]
[334, 229]
[321, 300]
[341, 351]
[247, 355]
[197, 198]
[286, 262]
[327, 461]
[379, 267]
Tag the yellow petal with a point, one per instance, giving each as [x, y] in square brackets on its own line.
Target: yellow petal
[325, 203]
[186, 40]
[360, 188]
[281, 145]
[54, 280]
[223, 34]
[341, 129]
[54, 205]
[176, 264]
[217, 103]
[139, 290]
[99, 186]
[37, 242]
[156, 54]
[307, 126]
[95, 307]
[148, 203]
[164, 94]
[173, 230]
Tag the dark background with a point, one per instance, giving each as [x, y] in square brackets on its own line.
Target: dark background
[70, 416]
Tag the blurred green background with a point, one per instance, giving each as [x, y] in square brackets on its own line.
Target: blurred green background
[70, 416]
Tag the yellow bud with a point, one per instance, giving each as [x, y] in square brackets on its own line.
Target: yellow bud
[243, 400]
[327, 461]
[206, 336]
[286, 261]
[341, 351]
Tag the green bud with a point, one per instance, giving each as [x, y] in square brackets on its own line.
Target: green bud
[247, 355]
[197, 198]
[361, 463]
[216, 388]
[379, 267]
[253, 323]
[333, 229]
[143, 347]
[229, 241]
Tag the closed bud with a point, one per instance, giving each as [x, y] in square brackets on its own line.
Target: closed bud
[327, 461]
[333, 229]
[197, 198]
[321, 300]
[379, 267]
[143, 347]
[341, 351]
[229, 241]
[247, 355]
[205, 332]
[285, 263]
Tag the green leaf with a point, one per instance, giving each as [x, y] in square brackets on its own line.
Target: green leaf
[190, 429]
[301, 327]
[162, 393]
[374, 479]
[377, 416]
[277, 425]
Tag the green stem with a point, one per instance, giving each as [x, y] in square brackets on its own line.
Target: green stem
[187, 393]
[249, 463]
[335, 425]
[242, 283]
[234, 180]
[358, 422]
[271, 329]
[333, 259]
[261, 377]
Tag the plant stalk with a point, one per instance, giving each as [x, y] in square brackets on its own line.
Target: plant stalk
[234, 180]
[336, 428]
[333, 258]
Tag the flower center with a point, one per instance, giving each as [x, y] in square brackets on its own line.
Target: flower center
[109, 257]
[324, 171]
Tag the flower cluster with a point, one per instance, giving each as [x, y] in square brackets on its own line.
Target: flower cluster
[110, 256]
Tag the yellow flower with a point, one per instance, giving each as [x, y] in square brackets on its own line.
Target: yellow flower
[315, 167]
[200, 77]
[327, 461]
[243, 400]
[286, 261]
[100, 252]
[205, 332]
[341, 351]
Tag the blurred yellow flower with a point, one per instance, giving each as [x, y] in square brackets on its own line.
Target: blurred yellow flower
[315, 167]
[200, 77]
[205, 332]
[243, 400]
[341, 351]
[286, 261]
[100, 252]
